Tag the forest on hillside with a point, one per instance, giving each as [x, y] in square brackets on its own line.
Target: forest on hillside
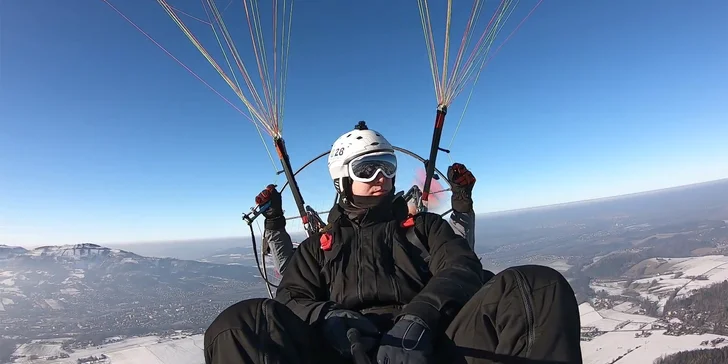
[701, 356]
[704, 311]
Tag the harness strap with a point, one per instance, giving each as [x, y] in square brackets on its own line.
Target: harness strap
[414, 239]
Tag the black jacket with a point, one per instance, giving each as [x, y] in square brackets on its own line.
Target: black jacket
[371, 266]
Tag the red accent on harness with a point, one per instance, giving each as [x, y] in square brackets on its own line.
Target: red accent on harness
[410, 222]
[326, 241]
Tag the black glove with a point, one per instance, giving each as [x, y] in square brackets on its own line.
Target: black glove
[462, 181]
[338, 322]
[270, 200]
[409, 341]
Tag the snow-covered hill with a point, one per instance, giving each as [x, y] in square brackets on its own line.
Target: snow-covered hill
[633, 338]
[618, 324]
[87, 290]
[664, 278]
[10, 251]
[60, 272]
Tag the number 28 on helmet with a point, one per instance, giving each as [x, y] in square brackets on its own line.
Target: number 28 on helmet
[361, 155]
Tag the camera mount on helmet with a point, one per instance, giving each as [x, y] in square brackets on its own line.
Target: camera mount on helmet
[361, 125]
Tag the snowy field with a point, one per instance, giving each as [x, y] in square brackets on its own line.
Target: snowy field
[667, 275]
[607, 348]
[139, 350]
[625, 337]
[614, 319]
[625, 328]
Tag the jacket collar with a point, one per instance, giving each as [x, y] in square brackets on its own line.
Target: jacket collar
[392, 208]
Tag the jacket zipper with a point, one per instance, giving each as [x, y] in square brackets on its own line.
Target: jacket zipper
[396, 289]
[528, 307]
[359, 294]
[393, 277]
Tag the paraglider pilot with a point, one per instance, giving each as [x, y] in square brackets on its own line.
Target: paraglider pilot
[361, 272]
[277, 242]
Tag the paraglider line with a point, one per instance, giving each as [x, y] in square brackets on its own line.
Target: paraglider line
[191, 16]
[513, 32]
[462, 115]
[485, 62]
[209, 58]
[448, 88]
[237, 83]
[481, 48]
[259, 114]
[227, 6]
[175, 58]
[467, 35]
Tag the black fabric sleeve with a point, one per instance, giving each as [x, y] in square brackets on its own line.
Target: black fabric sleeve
[456, 274]
[303, 288]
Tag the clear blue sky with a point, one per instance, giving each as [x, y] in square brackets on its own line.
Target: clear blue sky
[104, 138]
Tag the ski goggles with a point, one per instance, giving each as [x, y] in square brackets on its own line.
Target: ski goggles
[367, 167]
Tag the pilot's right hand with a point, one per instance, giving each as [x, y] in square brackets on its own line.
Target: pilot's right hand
[462, 183]
[270, 200]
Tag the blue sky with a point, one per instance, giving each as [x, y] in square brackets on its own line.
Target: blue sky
[105, 138]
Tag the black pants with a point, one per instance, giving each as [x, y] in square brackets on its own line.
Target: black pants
[524, 315]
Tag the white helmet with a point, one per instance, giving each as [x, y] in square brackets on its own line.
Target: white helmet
[360, 155]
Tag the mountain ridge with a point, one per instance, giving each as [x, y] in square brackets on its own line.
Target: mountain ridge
[73, 290]
[605, 199]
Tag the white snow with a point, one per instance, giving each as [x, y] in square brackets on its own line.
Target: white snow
[559, 264]
[134, 355]
[644, 350]
[70, 291]
[53, 304]
[183, 351]
[14, 290]
[179, 351]
[612, 320]
[626, 307]
[137, 350]
[8, 282]
[713, 268]
[8, 278]
[621, 337]
[612, 288]
[236, 255]
[41, 349]
[694, 273]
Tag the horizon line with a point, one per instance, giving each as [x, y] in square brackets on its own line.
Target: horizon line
[482, 214]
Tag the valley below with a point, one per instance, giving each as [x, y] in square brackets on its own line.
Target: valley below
[650, 274]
